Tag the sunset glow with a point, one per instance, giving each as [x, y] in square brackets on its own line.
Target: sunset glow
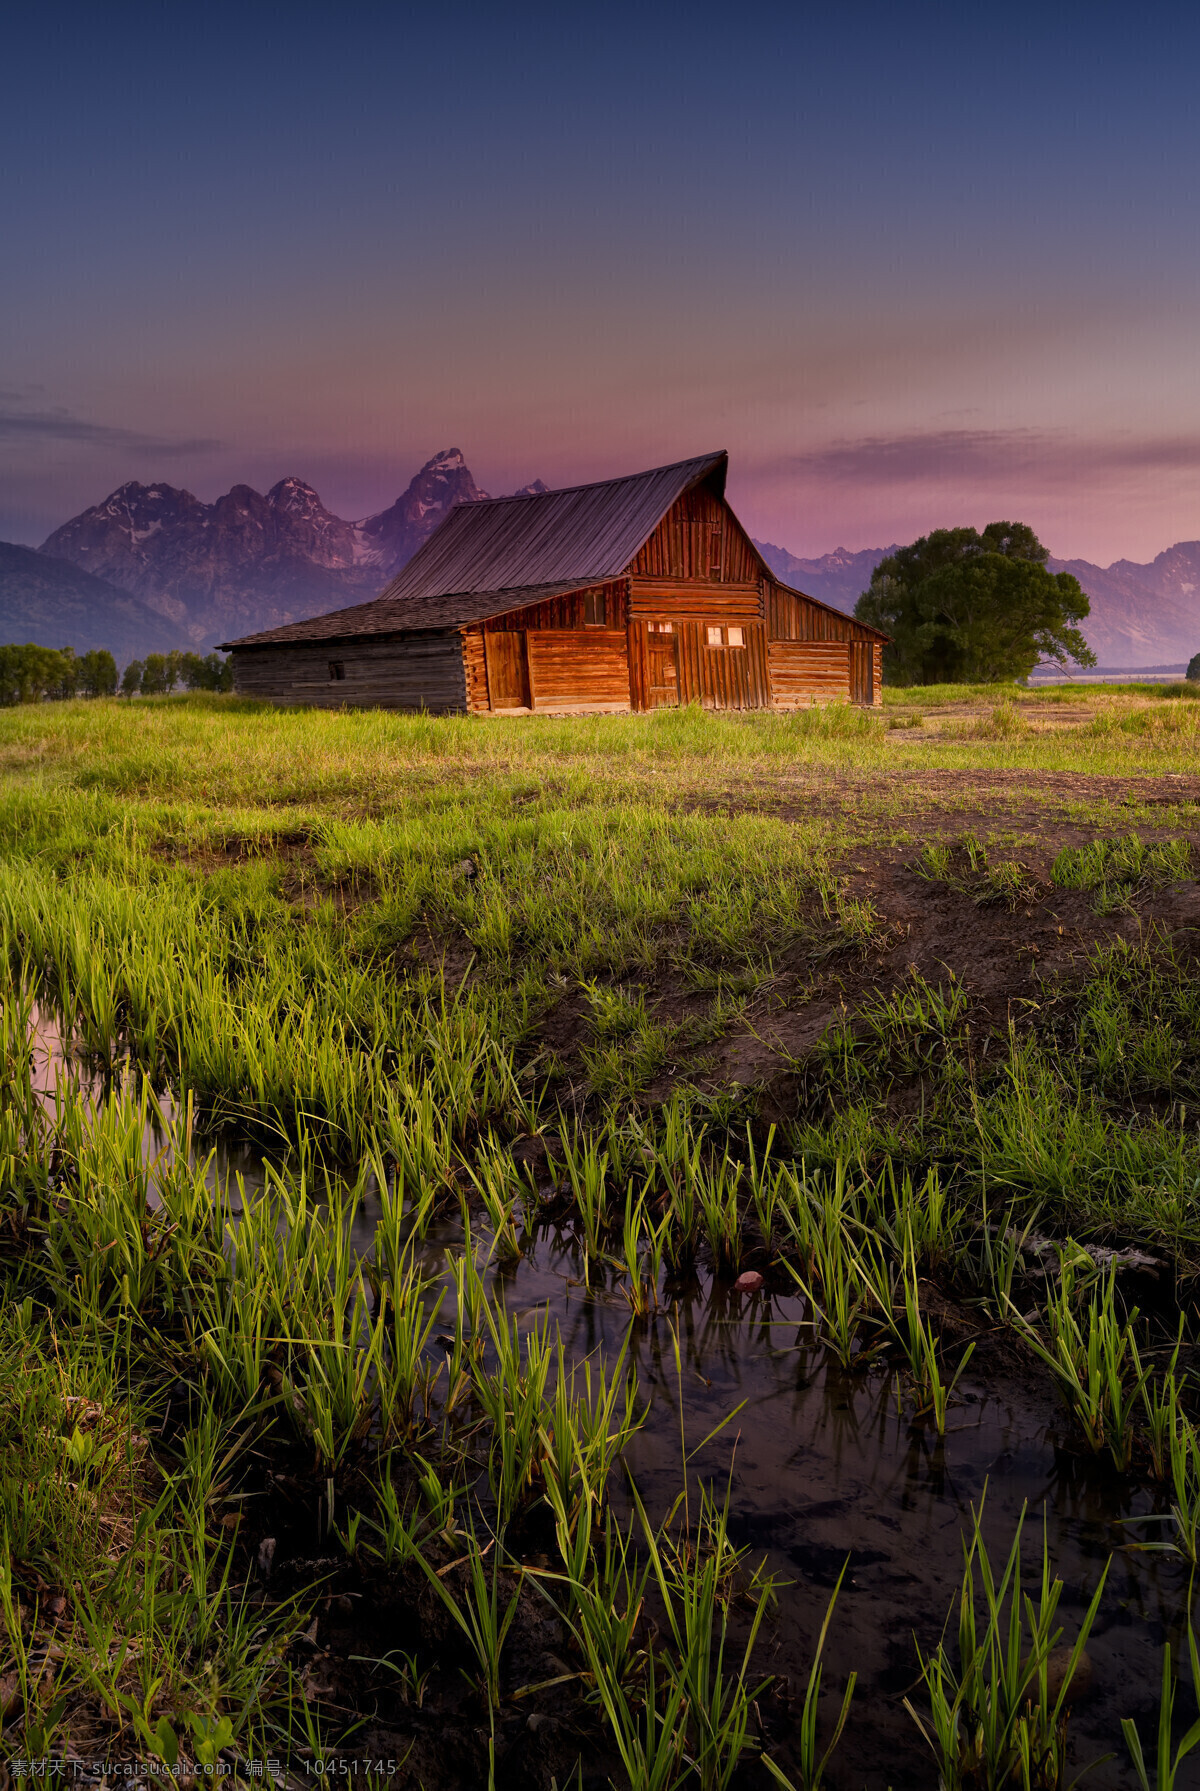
[912, 266]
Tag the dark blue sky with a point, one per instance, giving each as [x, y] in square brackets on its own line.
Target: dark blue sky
[910, 264]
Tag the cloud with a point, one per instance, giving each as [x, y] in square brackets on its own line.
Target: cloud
[983, 456]
[60, 426]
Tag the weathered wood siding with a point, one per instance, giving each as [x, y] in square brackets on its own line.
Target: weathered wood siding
[699, 538]
[866, 668]
[791, 617]
[565, 670]
[665, 599]
[715, 677]
[567, 611]
[804, 672]
[415, 671]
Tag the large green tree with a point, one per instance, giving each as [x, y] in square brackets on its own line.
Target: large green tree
[966, 607]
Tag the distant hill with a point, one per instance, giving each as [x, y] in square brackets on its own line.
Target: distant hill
[839, 578]
[56, 604]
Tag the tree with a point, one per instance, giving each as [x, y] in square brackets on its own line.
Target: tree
[131, 683]
[31, 673]
[1193, 671]
[98, 673]
[961, 606]
[64, 681]
[210, 673]
[155, 672]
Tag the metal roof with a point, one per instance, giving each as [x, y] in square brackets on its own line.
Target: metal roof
[586, 534]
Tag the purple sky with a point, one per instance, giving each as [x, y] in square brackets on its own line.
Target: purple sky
[913, 266]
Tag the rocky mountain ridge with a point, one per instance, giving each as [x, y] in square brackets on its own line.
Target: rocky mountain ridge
[838, 578]
[253, 560]
[1142, 614]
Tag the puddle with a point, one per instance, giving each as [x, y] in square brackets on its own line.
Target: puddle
[822, 1465]
[56, 1059]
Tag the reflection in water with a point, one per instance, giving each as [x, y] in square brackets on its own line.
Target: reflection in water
[822, 1465]
[54, 1061]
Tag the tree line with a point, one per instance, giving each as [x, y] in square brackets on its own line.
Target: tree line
[33, 674]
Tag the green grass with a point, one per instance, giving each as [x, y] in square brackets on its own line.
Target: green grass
[478, 973]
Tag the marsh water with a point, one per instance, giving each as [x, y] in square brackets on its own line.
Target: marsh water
[823, 1466]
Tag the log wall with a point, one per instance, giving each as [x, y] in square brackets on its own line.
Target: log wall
[415, 671]
[695, 600]
[572, 670]
[475, 671]
[866, 674]
[804, 672]
[567, 670]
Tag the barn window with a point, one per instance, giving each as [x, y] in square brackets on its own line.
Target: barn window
[662, 627]
[734, 637]
[595, 609]
[725, 637]
[714, 552]
[714, 638]
[337, 668]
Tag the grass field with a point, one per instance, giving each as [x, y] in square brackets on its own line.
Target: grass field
[897, 1011]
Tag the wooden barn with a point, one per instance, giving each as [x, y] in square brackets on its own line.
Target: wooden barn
[637, 593]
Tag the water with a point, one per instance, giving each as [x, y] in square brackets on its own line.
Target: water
[822, 1464]
[56, 1060]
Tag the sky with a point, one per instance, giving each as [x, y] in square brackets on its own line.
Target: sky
[913, 265]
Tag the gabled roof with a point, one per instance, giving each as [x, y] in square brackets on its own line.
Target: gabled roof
[584, 534]
[502, 553]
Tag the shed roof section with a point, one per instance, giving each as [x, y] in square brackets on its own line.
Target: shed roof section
[386, 616]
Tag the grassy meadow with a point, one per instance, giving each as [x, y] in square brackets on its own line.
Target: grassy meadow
[896, 1014]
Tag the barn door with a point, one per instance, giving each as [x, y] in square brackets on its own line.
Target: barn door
[663, 670]
[507, 670]
[862, 672]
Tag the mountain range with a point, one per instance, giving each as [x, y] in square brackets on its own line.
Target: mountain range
[253, 560]
[153, 567]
